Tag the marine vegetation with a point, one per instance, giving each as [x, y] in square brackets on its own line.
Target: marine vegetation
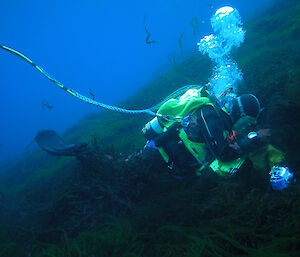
[106, 203]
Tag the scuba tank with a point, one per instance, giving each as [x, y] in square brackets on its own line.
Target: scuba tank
[172, 109]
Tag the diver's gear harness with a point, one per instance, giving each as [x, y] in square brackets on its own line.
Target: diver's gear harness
[185, 106]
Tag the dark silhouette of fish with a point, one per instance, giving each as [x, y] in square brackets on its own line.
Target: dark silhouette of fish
[180, 42]
[148, 34]
[194, 23]
[211, 6]
[45, 104]
[92, 94]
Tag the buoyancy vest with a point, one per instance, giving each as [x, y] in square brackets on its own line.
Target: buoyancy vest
[178, 110]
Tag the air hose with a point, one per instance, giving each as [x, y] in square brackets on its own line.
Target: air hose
[74, 93]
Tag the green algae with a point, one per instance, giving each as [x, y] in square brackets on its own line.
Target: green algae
[201, 235]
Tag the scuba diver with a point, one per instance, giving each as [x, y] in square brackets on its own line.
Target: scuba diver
[208, 135]
[195, 135]
[209, 140]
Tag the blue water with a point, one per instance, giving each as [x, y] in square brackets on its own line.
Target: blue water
[96, 46]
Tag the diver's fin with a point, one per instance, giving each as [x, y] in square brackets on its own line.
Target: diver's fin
[52, 143]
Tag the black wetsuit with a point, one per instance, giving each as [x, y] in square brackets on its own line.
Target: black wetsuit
[206, 125]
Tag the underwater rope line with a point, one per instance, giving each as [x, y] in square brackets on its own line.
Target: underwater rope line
[151, 111]
[75, 93]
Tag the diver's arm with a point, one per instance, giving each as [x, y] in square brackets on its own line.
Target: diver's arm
[248, 144]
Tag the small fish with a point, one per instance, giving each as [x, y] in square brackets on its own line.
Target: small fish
[148, 34]
[150, 42]
[1, 145]
[45, 104]
[211, 6]
[194, 22]
[180, 42]
[92, 94]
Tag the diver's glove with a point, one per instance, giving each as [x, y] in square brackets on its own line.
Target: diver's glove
[280, 177]
[253, 141]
